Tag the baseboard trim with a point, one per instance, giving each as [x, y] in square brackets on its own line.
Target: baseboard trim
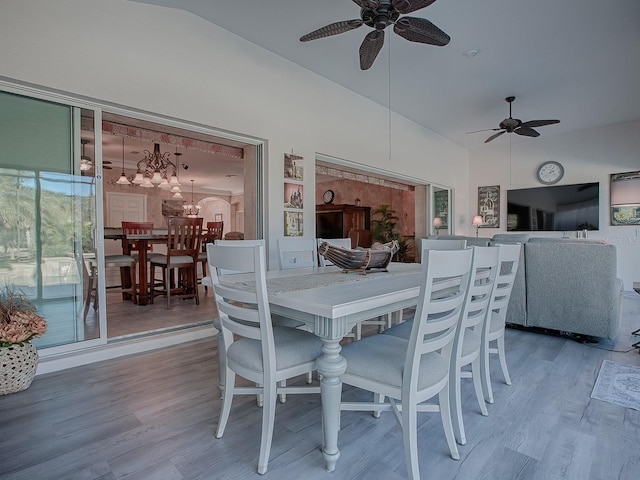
[121, 348]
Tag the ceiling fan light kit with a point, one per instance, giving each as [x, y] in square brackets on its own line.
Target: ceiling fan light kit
[379, 14]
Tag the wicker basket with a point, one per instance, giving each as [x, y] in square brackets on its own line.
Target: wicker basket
[17, 367]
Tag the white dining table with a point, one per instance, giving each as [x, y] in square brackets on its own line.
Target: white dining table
[331, 303]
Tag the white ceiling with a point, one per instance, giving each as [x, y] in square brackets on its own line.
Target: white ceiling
[573, 60]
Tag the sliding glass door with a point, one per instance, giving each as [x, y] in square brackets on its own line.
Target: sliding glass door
[48, 214]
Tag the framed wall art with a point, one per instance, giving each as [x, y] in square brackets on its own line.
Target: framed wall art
[293, 224]
[625, 198]
[489, 206]
[293, 196]
[293, 166]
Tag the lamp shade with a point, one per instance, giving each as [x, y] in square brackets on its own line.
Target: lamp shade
[625, 190]
[437, 222]
[477, 220]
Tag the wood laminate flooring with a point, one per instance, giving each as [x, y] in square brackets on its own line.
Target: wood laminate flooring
[153, 416]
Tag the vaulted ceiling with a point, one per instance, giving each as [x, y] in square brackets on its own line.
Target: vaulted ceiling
[573, 60]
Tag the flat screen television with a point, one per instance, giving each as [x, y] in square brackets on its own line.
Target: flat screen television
[555, 208]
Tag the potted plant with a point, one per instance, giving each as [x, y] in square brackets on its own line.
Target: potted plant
[384, 227]
[19, 324]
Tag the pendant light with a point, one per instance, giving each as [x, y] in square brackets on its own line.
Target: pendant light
[192, 209]
[123, 180]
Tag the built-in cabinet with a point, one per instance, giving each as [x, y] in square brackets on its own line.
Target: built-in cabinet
[339, 221]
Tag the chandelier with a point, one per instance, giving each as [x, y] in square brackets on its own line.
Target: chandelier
[157, 170]
[191, 210]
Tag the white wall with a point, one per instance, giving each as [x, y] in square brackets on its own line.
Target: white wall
[173, 63]
[587, 156]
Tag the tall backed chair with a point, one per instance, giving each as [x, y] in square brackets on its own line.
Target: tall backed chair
[183, 244]
[296, 252]
[254, 348]
[213, 233]
[495, 326]
[467, 346]
[222, 360]
[416, 371]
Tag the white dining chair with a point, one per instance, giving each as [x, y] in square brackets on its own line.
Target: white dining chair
[496, 323]
[296, 252]
[468, 341]
[222, 361]
[255, 349]
[277, 320]
[467, 346]
[416, 371]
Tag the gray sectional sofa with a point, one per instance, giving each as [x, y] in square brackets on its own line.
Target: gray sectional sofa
[565, 285]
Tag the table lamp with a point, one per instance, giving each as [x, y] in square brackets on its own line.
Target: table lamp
[477, 221]
[437, 223]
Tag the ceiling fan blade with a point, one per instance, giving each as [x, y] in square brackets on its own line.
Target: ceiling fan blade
[408, 6]
[526, 131]
[485, 130]
[494, 136]
[370, 47]
[420, 30]
[332, 29]
[371, 4]
[539, 123]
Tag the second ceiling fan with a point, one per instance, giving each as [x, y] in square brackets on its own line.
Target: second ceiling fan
[515, 125]
[379, 14]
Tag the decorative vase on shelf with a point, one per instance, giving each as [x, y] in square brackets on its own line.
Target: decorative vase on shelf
[18, 365]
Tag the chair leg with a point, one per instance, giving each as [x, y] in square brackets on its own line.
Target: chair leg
[477, 385]
[455, 402]
[410, 438]
[445, 414]
[222, 362]
[88, 296]
[503, 359]
[283, 396]
[486, 373]
[268, 418]
[134, 287]
[377, 398]
[226, 402]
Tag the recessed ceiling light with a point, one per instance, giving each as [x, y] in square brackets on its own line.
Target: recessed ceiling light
[231, 176]
[471, 53]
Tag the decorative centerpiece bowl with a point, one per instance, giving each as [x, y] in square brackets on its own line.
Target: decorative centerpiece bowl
[360, 259]
[19, 324]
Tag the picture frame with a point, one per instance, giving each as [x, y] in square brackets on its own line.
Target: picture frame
[624, 189]
[293, 166]
[293, 196]
[293, 224]
[489, 206]
[441, 207]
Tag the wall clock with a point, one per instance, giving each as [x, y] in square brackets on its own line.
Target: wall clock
[328, 196]
[550, 172]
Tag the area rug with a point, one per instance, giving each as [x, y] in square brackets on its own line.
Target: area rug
[618, 384]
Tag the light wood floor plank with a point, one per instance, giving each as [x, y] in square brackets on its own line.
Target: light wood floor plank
[153, 416]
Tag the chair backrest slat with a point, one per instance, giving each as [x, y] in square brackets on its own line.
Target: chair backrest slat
[436, 320]
[243, 311]
[295, 252]
[135, 228]
[184, 236]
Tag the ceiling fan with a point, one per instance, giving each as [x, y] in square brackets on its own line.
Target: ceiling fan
[85, 160]
[515, 125]
[379, 14]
